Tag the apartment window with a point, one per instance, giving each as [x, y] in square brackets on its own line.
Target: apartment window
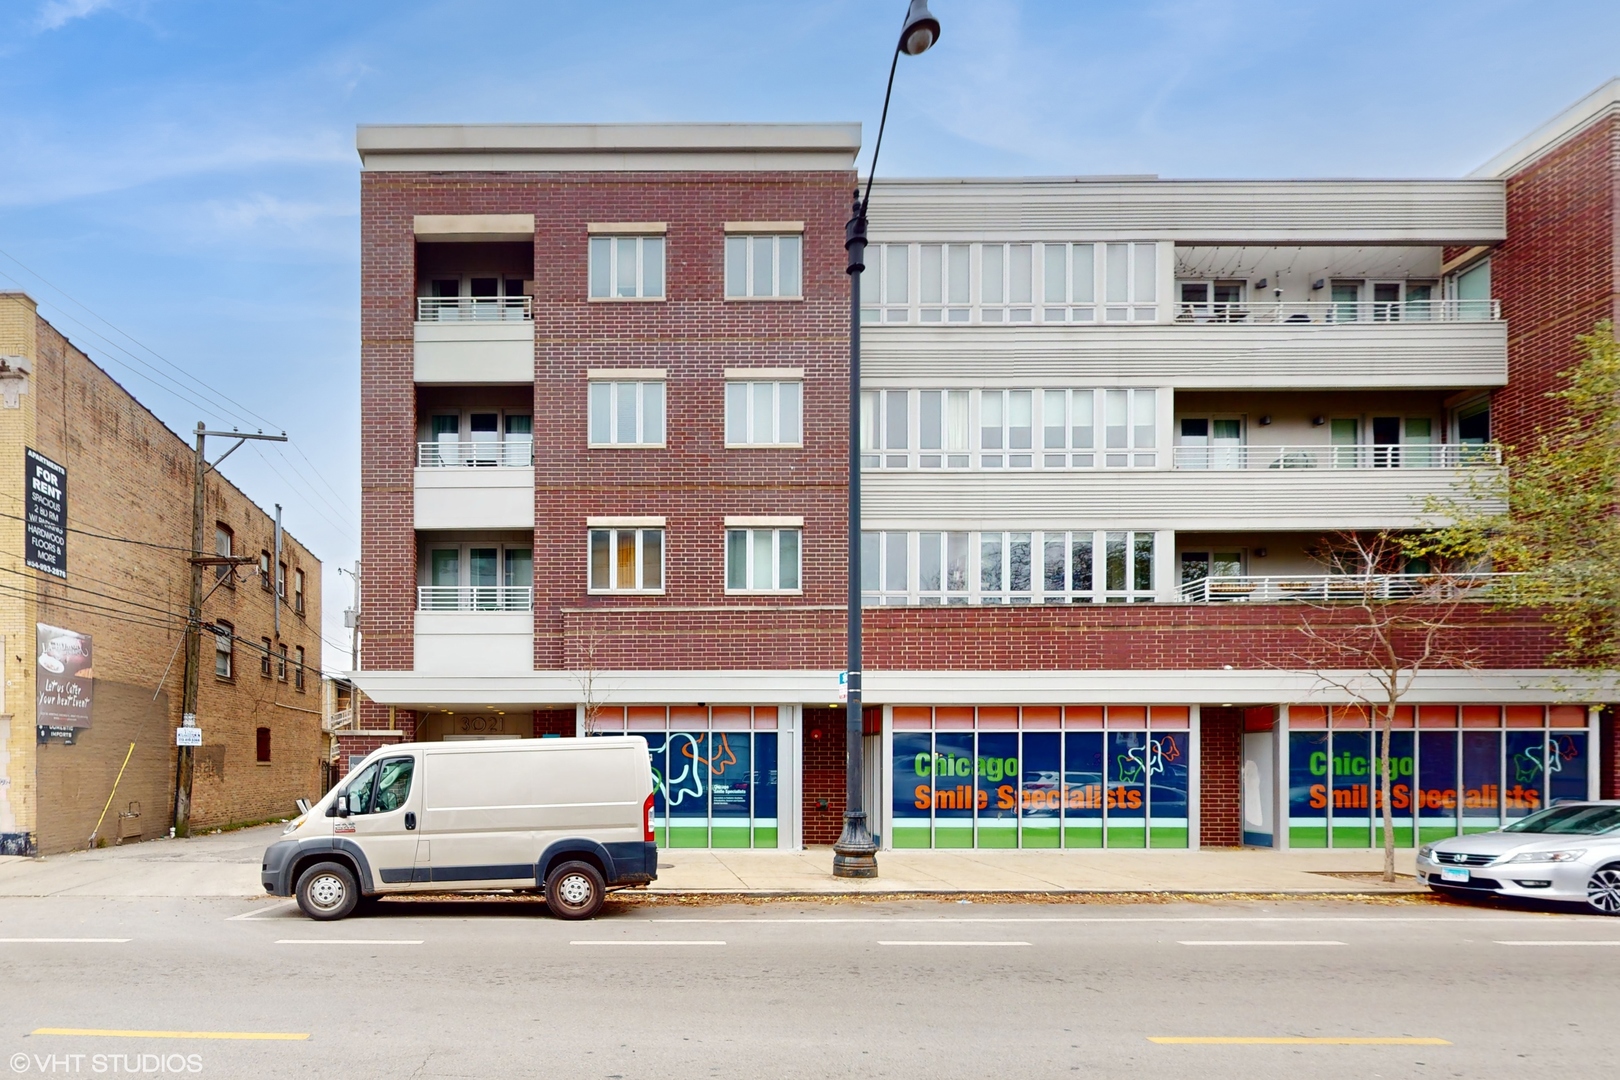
[1069, 282]
[298, 668]
[626, 413]
[763, 266]
[626, 560]
[1130, 282]
[485, 437]
[281, 580]
[1006, 282]
[1069, 429]
[1216, 442]
[261, 751]
[264, 570]
[1006, 423]
[762, 560]
[1033, 567]
[1130, 423]
[886, 284]
[264, 658]
[627, 267]
[298, 591]
[223, 540]
[224, 654]
[1470, 291]
[765, 413]
[885, 428]
[281, 663]
[1198, 565]
[945, 285]
[942, 568]
[942, 429]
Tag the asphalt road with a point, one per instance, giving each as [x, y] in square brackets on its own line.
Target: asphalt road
[917, 989]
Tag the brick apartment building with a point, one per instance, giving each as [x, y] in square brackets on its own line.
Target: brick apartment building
[91, 660]
[1108, 425]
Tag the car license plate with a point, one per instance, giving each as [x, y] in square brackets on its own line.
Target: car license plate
[1453, 873]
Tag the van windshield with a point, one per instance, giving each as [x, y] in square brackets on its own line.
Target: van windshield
[1570, 821]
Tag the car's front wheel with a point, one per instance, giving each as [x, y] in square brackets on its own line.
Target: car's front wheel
[1603, 891]
[327, 891]
[575, 890]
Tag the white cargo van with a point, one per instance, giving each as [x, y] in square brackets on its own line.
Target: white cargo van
[571, 817]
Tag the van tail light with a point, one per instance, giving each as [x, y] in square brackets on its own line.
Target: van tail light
[647, 818]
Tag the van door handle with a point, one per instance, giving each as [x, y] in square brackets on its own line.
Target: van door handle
[410, 820]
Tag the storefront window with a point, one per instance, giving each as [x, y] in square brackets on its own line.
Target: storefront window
[1501, 765]
[715, 781]
[1003, 777]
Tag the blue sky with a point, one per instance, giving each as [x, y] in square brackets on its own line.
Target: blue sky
[183, 171]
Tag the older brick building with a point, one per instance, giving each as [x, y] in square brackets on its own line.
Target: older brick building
[1108, 425]
[112, 626]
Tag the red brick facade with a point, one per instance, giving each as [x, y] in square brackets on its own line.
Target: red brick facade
[825, 744]
[1220, 776]
[1558, 272]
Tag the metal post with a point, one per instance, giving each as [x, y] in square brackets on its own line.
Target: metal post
[354, 629]
[855, 853]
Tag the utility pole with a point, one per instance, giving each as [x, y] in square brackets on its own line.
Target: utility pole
[352, 619]
[199, 474]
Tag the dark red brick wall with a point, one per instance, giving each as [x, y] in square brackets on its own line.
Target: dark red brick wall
[1609, 755]
[694, 482]
[1081, 637]
[824, 758]
[1220, 776]
[1557, 273]
[555, 722]
[358, 745]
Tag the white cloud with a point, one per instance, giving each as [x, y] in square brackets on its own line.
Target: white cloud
[58, 13]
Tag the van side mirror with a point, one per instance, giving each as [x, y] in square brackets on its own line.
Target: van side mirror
[343, 806]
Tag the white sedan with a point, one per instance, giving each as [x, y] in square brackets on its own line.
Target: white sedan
[1569, 853]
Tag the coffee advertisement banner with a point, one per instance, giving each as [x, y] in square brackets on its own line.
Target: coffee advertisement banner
[63, 677]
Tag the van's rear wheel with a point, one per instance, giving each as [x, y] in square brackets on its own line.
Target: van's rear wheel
[575, 890]
[327, 891]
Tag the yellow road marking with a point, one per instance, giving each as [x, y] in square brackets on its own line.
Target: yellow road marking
[1293, 1040]
[283, 1036]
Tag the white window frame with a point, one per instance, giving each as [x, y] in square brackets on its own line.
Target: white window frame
[952, 264]
[1014, 305]
[883, 279]
[750, 242]
[774, 533]
[886, 424]
[648, 247]
[224, 635]
[1006, 456]
[885, 552]
[741, 388]
[609, 383]
[615, 530]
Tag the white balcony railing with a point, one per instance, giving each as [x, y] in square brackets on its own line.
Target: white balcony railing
[483, 309]
[509, 453]
[1298, 312]
[475, 598]
[342, 720]
[1404, 456]
[1346, 588]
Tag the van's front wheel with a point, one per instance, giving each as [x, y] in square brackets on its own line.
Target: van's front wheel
[327, 891]
[575, 890]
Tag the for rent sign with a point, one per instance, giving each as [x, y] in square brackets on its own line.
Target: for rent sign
[64, 678]
[45, 534]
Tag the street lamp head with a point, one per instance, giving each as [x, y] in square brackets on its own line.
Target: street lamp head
[921, 29]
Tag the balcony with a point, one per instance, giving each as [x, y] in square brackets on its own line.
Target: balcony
[474, 630]
[1393, 456]
[478, 309]
[487, 454]
[474, 339]
[474, 485]
[1338, 312]
[475, 598]
[1347, 588]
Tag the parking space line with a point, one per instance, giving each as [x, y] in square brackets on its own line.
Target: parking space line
[1561, 944]
[1258, 941]
[113, 1033]
[1292, 1040]
[63, 940]
[1144, 919]
[346, 941]
[256, 912]
[964, 944]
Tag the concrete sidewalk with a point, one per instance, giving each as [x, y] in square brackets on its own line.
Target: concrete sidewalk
[227, 864]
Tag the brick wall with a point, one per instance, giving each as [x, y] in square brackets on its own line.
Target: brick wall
[694, 482]
[1609, 755]
[554, 722]
[1220, 776]
[824, 759]
[1557, 273]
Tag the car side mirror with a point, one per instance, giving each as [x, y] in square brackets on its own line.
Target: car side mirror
[343, 806]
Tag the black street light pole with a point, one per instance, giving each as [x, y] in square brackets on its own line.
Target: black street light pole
[855, 853]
